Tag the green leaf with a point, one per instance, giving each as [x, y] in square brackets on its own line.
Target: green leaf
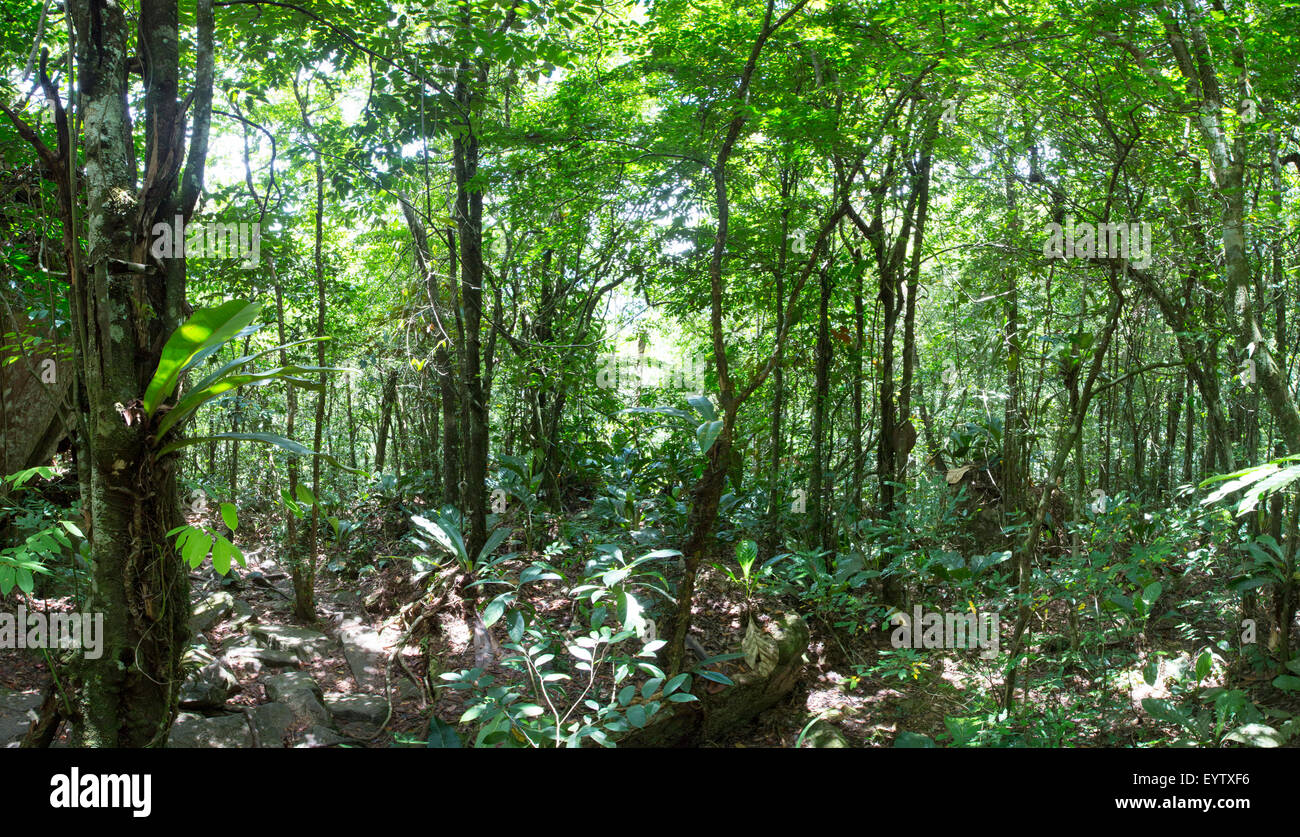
[1286, 683]
[442, 735]
[230, 366]
[746, 554]
[1163, 710]
[201, 335]
[196, 398]
[493, 541]
[676, 683]
[716, 677]
[195, 547]
[704, 405]
[230, 515]
[913, 740]
[445, 534]
[707, 434]
[1256, 735]
[1203, 665]
[223, 551]
[495, 609]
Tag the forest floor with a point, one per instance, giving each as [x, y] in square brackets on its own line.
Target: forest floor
[258, 677]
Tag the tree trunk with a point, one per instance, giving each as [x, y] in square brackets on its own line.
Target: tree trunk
[121, 319]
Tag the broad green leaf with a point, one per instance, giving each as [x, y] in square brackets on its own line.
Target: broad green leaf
[746, 554]
[442, 735]
[704, 405]
[196, 398]
[707, 434]
[1256, 735]
[196, 547]
[1163, 710]
[223, 552]
[676, 683]
[493, 541]
[198, 337]
[230, 516]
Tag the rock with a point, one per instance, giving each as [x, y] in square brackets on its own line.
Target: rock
[304, 642]
[241, 641]
[371, 710]
[197, 654]
[243, 613]
[222, 731]
[253, 659]
[210, 611]
[281, 686]
[307, 709]
[17, 711]
[823, 735]
[319, 737]
[209, 687]
[404, 689]
[347, 598]
[282, 723]
[367, 652]
[273, 721]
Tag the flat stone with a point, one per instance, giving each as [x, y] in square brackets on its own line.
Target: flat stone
[347, 598]
[197, 655]
[252, 659]
[280, 686]
[304, 642]
[17, 711]
[241, 613]
[307, 710]
[319, 737]
[209, 687]
[273, 722]
[221, 732]
[210, 611]
[371, 710]
[366, 651]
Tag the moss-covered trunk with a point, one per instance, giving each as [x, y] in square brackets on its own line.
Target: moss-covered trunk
[125, 304]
